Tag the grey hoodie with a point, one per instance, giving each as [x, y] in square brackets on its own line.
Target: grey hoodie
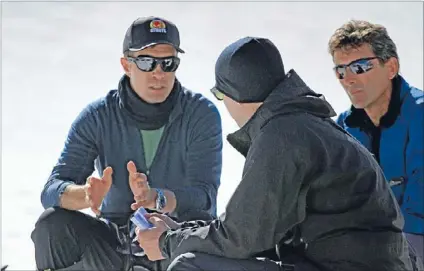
[305, 175]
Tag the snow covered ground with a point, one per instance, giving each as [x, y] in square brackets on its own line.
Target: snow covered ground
[57, 57]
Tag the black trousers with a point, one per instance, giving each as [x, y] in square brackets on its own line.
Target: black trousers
[205, 262]
[71, 240]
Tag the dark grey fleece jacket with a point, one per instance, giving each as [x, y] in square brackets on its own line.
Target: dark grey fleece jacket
[302, 174]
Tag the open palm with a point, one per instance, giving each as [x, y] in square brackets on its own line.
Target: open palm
[96, 189]
[143, 195]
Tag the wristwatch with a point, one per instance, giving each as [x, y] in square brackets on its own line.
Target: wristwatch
[160, 200]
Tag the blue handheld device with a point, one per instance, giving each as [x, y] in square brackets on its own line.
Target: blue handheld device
[140, 221]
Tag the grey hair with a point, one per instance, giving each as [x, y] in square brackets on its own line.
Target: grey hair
[355, 33]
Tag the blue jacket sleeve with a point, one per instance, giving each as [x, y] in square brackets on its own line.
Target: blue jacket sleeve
[204, 156]
[414, 193]
[76, 161]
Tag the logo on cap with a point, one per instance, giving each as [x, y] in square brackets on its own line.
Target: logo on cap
[157, 26]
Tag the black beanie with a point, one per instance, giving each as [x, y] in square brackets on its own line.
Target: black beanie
[249, 69]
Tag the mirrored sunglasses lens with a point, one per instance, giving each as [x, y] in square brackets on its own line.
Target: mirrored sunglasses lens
[361, 67]
[169, 64]
[146, 64]
[340, 72]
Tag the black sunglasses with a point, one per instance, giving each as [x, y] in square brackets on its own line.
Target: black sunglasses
[357, 66]
[218, 94]
[149, 63]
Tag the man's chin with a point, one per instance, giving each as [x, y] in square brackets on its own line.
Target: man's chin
[359, 104]
[157, 97]
[157, 100]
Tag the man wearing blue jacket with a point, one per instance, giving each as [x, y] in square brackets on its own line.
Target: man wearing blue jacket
[154, 143]
[386, 116]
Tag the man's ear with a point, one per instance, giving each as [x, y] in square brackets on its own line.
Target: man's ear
[126, 66]
[392, 66]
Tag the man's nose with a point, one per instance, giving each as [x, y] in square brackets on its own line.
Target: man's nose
[158, 73]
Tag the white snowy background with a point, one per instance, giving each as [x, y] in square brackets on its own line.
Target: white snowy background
[59, 56]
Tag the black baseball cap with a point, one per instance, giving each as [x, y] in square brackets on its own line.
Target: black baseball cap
[148, 31]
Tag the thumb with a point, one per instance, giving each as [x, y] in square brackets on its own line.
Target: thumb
[156, 221]
[137, 231]
[131, 167]
[150, 215]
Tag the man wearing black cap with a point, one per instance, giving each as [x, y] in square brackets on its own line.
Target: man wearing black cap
[308, 188]
[155, 145]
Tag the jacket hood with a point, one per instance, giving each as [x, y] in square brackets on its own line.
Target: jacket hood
[290, 96]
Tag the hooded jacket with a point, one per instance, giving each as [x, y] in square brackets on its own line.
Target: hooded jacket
[303, 174]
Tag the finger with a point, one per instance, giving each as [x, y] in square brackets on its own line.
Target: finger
[88, 200]
[139, 198]
[156, 221]
[138, 178]
[143, 177]
[140, 187]
[88, 189]
[88, 180]
[107, 174]
[133, 174]
[88, 196]
[150, 256]
[150, 215]
[93, 180]
[136, 205]
[137, 231]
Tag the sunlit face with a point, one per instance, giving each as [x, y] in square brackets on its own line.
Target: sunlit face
[365, 79]
[153, 86]
[240, 112]
[235, 110]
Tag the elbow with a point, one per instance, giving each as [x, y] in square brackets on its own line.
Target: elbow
[46, 201]
[50, 196]
[208, 200]
[195, 204]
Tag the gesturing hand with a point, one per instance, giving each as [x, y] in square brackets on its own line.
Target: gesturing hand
[144, 196]
[96, 189]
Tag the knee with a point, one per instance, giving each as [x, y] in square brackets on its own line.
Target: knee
[54, 220]
[184, 262]
[56, 215]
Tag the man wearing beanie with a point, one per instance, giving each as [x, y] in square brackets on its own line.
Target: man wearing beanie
[155, 145]
[308, 188]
